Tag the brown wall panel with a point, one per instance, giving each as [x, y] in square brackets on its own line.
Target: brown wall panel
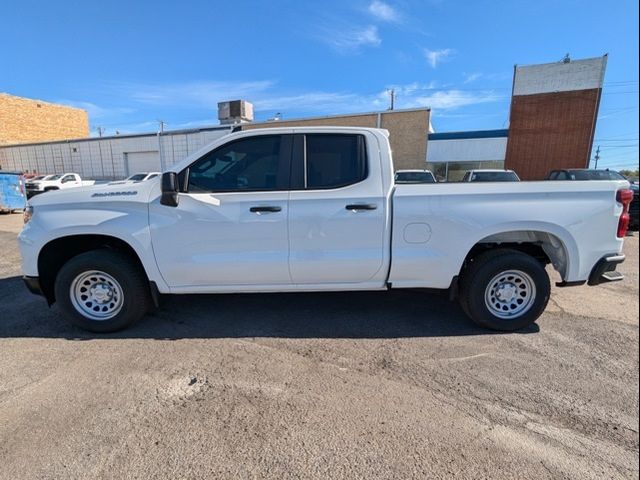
[551, 130]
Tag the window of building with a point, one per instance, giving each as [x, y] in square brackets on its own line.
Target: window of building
[334, 161]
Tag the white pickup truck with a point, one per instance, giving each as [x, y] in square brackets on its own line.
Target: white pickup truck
[313, 209]
[56, 182]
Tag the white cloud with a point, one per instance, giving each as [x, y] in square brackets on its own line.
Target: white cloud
[152, 101]
[434, 57]
[94, 110]
[450, 99]
[347, 38]
[416, 94]
[471, 77]
[192, 94]
[383, 11]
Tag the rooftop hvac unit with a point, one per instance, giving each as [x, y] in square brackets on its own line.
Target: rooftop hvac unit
[235, 111]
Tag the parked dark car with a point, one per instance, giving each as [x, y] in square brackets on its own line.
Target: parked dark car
[633, 208]
[584, 174]
[415, 176]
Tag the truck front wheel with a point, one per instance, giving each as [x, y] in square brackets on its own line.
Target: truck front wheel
[102, 291]
[504, 290]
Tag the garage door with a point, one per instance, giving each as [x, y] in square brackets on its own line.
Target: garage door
[137, 162]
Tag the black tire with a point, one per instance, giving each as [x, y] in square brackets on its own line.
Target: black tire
[486, 267]
[136, 298]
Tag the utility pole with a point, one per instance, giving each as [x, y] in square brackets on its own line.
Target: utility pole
[100, 131]
[392, 97]
[597, 157]
[161, 123]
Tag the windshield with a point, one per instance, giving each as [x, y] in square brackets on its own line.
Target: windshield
[138, 177]
[494, 177]
[414, 177]
[52, 177]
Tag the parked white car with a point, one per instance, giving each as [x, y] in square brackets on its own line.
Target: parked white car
[137, 177]
[56, 182]
[316, 209]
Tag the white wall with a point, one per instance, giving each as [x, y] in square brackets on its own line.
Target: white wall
[467, 149]
[102, 158]
[560, 77]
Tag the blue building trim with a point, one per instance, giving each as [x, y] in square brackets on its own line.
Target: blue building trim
[467, 135]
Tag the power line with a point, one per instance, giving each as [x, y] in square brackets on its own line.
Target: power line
[635, 145]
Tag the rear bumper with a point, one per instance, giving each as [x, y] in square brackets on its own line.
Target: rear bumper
[605, 270]
[33, 285]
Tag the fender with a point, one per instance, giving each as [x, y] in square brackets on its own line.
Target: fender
[125, 218]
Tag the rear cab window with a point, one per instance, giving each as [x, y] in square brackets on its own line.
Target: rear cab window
[327, 161]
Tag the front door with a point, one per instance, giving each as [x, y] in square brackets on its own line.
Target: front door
[230, 225]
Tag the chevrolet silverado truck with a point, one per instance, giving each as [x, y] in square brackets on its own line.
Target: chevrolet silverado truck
[316, 209]
[56, 182]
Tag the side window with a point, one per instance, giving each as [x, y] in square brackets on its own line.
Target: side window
[334, 160]
[250, 164]
[68, 178]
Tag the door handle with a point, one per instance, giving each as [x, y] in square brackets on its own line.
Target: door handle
[361, 206]
[268, 208]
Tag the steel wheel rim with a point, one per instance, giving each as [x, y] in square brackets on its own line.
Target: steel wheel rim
[510, 294]
[96, 295]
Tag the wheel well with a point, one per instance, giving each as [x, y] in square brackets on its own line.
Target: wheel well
[543, 246]
[57, 252]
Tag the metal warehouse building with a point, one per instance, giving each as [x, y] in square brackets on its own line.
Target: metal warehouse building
[109, 158]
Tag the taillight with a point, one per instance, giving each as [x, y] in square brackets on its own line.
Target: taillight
[624, 197]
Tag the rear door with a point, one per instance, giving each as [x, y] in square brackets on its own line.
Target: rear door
[337, 211]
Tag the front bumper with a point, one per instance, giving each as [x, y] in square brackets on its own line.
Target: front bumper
[33, 285]
[605, 270]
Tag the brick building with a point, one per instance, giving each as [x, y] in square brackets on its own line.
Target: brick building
[554, 107]
[23, 120]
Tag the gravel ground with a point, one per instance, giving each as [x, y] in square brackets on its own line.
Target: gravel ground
[339, 385]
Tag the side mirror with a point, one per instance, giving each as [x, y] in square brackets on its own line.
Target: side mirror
[169, 189]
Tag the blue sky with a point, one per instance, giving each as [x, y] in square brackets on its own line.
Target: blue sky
[131, 63]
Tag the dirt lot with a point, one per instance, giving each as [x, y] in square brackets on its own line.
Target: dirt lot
[358, 385]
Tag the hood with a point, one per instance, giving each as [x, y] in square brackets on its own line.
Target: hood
[136, 192]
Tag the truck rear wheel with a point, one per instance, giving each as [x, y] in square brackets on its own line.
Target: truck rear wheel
[504, 290]
[102, 291]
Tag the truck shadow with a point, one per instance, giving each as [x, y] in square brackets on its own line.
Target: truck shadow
[392, 314]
